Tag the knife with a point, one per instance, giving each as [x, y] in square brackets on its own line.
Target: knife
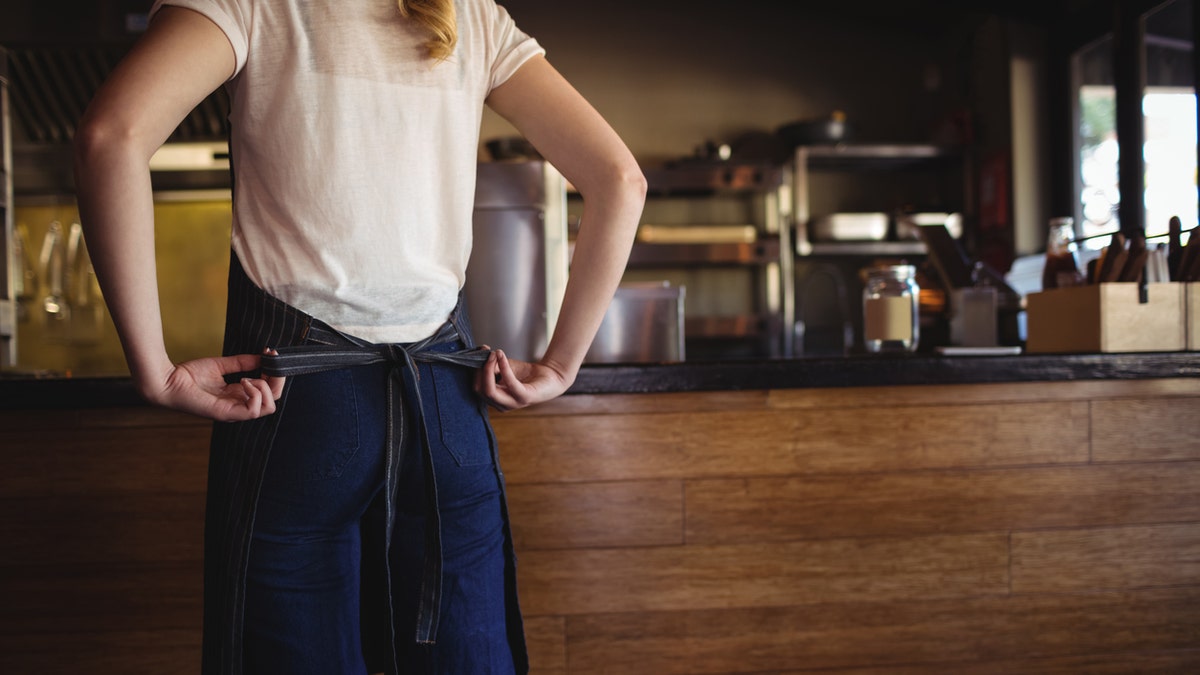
[1189, 269]
[1135, 260]
[1187, 257]
[1096, 271]
[1114, 259]
[1174, 248]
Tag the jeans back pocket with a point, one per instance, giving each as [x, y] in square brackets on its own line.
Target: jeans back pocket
[462, 428]
[318, 435]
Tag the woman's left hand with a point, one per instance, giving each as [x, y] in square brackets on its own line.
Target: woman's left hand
[509, 384]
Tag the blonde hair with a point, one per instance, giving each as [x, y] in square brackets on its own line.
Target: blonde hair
[438, 17]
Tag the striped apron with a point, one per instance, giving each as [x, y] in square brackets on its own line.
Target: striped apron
[240, 450]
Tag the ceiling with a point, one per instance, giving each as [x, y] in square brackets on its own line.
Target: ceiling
[60, 51]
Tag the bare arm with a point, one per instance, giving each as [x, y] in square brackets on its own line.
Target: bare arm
[181, 59]
[573, 137]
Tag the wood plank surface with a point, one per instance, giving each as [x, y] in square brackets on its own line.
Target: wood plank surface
[722, 511]
[1130, 430]
[1055, 561]
[592, 581]
[124, 417]
[101, 598]
[610, 404]
[105, 461]
[546, 639]
[114, 529]
[877, 634]
[145, 652]
[979, 529]
[958, 394]
[588, 515]
[1175, 662]
[740, 443]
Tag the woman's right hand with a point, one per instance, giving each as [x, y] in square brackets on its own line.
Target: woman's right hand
[199, 387]
[509, 384]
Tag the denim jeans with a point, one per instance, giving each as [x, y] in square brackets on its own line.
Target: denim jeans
[318, 531]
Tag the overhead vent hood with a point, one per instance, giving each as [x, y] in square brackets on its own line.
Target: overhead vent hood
[59, 53]
[51, 86]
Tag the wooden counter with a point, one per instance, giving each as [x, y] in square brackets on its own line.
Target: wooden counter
[30, 392]
[1022, 527]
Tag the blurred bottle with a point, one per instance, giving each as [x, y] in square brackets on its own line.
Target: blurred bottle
[26, 279]
[1062, 267]
[56, 313]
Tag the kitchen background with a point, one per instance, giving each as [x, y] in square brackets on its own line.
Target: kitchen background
[678, 81]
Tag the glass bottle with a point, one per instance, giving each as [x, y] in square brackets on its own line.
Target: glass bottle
[1061, 268]
[890, 309]
[26, 286]
[56, 313]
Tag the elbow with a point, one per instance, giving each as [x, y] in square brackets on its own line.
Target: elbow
[611, 178]
[98, 142]
[635, 181]
[617, 187]
[627, 183]
[635, 186]
[90, 136]
[92, 139]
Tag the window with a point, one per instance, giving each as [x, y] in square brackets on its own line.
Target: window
[1169, 127]
[1097, 141]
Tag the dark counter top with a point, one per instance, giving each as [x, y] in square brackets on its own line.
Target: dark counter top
[855, 371]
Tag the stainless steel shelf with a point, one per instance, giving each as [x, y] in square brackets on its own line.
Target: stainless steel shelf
[761, 252]
[868, 248]
[866, 157]
[861, 158]
[709, 177]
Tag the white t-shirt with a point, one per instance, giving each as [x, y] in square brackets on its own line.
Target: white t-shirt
[354, 154]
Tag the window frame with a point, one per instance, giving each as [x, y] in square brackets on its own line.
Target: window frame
[1124, 21]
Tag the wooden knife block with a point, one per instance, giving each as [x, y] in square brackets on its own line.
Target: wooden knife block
[1106, 318]
[1192, 314]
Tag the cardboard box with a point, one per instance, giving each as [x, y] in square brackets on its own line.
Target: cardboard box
[1192, 314]
[1106, 318]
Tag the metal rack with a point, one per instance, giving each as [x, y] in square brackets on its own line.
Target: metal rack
[808, 159]
[769, 253]
[8, 303]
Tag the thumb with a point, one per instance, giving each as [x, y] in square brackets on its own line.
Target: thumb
[275, 383]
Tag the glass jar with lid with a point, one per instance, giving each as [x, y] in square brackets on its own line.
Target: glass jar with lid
[890, 309]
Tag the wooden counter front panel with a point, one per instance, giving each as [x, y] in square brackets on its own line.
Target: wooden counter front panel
[963, 635]
[1145, 429]
[1028, 528]
[587, 515]
[964, 529]
[776, 574]
[928, 502]
[775, 442]
[101, 519]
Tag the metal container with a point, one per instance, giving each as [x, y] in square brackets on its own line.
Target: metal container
[8, 276]
[644, 324]
[518, 269]
[908, 225]
[849, 227]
